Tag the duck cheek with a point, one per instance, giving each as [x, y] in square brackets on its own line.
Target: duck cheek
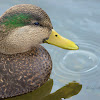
[44, 36]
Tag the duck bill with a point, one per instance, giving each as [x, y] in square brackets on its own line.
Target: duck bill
[57, 40]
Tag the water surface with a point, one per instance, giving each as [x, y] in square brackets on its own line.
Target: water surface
[78, 20]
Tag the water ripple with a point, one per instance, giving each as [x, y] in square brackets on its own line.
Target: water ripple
[82, 65]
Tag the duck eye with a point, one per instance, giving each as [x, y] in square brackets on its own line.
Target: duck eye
[36, 23]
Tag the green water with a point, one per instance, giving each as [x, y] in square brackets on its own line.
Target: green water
[43, 93]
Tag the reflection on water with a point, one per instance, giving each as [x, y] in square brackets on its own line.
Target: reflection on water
[82, 66]
[43, 93]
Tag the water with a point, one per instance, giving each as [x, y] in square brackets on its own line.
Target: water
[43, 93]
[77, 20]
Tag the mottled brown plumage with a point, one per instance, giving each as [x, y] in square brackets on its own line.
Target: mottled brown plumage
[24, 72]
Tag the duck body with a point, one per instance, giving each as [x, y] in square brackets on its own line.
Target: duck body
[24, 64]
[24, 72]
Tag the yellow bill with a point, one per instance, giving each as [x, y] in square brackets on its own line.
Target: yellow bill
[57, 40]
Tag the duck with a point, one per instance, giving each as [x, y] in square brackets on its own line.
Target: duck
[25, 65]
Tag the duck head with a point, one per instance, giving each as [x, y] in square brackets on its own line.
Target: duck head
[26, 26]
